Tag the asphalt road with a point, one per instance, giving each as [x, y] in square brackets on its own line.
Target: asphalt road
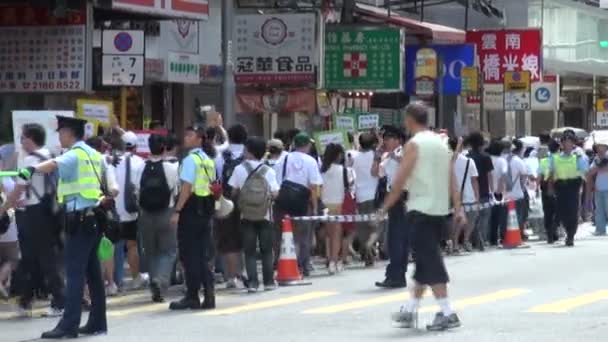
[543, 293]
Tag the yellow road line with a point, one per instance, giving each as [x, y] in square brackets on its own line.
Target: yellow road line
[571, 303]
[403, 296]
[139, 309]
[459, 304]
[478, 300]
[270, 303]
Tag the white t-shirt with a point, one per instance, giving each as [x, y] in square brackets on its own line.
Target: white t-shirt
[500, 169]
[333, 184]
[171, 175]
[365, 183]
[301, 168]
[390, 165]
[460, 166]
[350, 156]
[11, 234]
[137, 167]
[240, 174]
[37, 182]
[519, 170]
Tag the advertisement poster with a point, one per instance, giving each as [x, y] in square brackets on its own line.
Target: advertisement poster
[95, 110]
[46, 119]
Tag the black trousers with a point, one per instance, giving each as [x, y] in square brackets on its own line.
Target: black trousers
[398, 243]
[550, 218]
[39, 244]
[194, 244]
[567, 195]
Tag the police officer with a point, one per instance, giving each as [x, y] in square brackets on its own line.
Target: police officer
[566, 170]
[193, 213]
[79, 192]
[548, 197]
[397, 235]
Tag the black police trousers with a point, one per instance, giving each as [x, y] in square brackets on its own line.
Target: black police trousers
[567, 196]
[194, 244]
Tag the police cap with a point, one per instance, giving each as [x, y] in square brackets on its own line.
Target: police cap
[74, 124]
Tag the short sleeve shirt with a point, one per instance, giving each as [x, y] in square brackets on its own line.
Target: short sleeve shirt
[188, 171]
[483, 162]
[301, 168]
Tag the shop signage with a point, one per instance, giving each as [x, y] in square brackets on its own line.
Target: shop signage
[275, 48]
[179, 35]
[602, 112]
[95, 110]
[469, 81]
[451, 59]
[517, 90]
[500, 51]
[123, 57]
[345, 122]
[545, 95]
[183, 68]
[193, 9]
[322, 139]
[278, 101]
[367, 58]
[493, 98]
[41, 53]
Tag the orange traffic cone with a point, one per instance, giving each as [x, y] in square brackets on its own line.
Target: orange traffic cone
[287, 270]
[513, 234]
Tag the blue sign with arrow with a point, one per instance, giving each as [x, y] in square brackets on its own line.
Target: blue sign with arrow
[453, 58]
[542, 95]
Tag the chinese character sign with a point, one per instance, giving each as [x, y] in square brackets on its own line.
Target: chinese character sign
[277, 48]
[508, 50]
[363, 59]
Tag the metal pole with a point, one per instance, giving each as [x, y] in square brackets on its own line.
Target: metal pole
[466, 16]
[593, 105]
[229, 92]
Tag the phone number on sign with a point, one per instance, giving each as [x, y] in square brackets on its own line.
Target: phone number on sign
[41, 86]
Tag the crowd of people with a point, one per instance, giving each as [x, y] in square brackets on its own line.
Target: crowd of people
[179, 184]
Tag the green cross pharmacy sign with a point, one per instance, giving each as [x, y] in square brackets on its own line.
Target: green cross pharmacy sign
[363, 58]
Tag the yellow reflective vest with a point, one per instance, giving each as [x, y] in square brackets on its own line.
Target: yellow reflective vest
[87, 183]
[566, 167]
[205, 174]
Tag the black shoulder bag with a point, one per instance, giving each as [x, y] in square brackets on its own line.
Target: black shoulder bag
[293, 198]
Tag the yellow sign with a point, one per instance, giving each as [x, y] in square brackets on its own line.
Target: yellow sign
[601, 105]
[517, 81]
[95, 110]
[470, 81]
[426, 63]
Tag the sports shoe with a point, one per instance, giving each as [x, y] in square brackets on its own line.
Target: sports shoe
[441, 322]
[333, 268]
[468, 246]
[137, 283]
[53, 312]
[3, 292]
[231, 283]
[270, 287]
[111, 290]
[340, 267]
[252, 289]
[157, 296]
[24, 311]
[405, 319]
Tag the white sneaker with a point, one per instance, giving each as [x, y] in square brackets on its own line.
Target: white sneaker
[24, 312]
[111, 290]
[137, 283]
[332, 268]
[340, 266]
[53, 312]
[3, 291]
[232, 283]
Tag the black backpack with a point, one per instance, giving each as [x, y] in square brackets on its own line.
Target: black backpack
[155, 193]
[229, 164]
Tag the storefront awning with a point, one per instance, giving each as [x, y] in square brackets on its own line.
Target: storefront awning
[424, 30]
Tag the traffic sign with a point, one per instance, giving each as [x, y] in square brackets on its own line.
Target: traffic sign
[542, 95]
[122, 42]
[517, 90]
[602, 112]
[123, 70]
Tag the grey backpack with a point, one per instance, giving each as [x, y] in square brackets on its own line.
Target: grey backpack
[255, 196]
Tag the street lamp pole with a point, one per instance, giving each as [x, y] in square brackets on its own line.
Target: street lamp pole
[229, 89]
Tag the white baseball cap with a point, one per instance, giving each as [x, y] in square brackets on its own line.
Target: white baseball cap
[130, 139]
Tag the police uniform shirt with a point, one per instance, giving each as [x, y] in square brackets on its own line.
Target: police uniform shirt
[187, 173]
[67, 166]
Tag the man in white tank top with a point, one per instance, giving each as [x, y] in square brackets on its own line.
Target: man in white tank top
[426, 172]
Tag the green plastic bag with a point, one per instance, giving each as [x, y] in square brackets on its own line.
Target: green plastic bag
[105, 250]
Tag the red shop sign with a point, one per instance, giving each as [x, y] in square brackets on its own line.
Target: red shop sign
[507, 50]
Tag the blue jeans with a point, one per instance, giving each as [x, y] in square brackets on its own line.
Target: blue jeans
[119, 262]
[601, 211]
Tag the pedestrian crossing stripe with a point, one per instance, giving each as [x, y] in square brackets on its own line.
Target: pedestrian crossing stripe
[270, 303]
[569, 304]
[402, 297]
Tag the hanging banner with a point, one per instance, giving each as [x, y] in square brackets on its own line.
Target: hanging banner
[602, 112]
[363, 58]
[95, 110]
[470, 81]
[275, 48]
[322, 139]
[500, 51]
[517, 91]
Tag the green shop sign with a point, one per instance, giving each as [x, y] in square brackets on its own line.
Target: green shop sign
[368, 58]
